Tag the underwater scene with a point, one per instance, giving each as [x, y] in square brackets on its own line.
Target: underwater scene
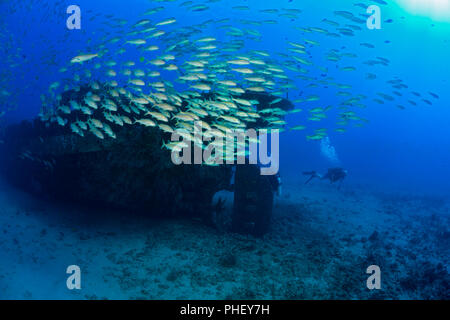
[225, 150]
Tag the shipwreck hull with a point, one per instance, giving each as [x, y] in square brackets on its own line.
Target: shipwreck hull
[131, 172]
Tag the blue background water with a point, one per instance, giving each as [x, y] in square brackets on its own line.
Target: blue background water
[399, 150]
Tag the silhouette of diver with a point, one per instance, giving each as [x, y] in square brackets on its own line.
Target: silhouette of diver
[333, 174]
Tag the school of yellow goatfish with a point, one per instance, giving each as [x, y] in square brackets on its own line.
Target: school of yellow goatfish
[161, 73]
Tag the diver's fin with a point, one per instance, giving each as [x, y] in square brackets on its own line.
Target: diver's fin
[312, 174]
[310, 178]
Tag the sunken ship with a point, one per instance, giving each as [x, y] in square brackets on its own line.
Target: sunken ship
[132, 172]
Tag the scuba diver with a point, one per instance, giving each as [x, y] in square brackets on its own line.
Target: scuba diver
[333, 174]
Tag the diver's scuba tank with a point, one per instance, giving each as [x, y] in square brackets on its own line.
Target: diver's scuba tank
[253, 200]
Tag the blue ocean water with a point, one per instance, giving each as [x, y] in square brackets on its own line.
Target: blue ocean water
[397, 148]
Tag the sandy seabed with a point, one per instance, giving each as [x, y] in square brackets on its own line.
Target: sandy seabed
[321, 243]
